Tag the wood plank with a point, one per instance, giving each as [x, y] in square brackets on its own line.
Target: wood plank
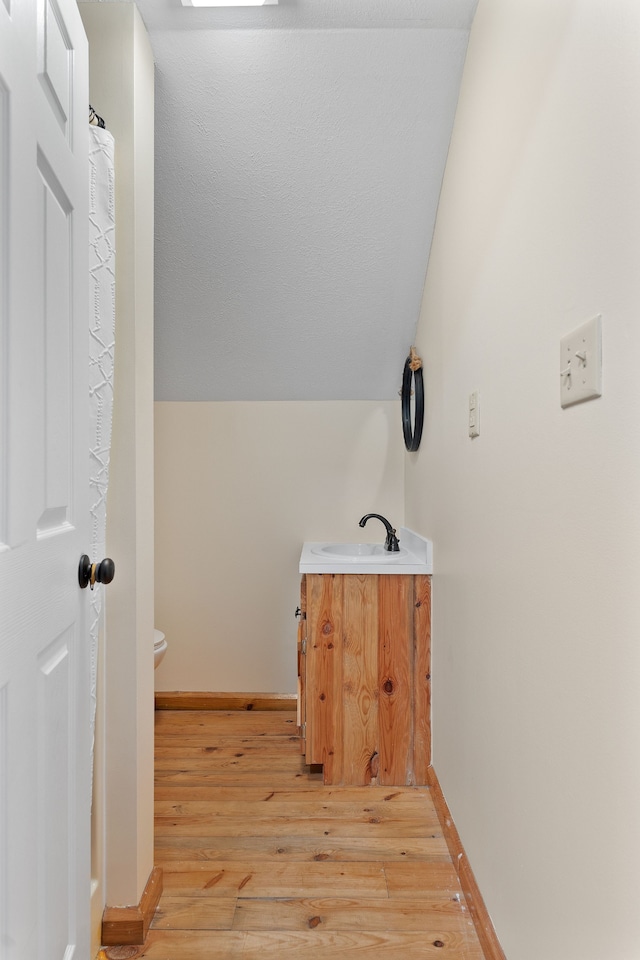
[242, 826]
[324, 674]
[435, 917]
[343, 849]
[284, 793]
[188, 723]
[421, 678]
[267, 879]
[225, 746]
[220, 720]
[421, 880]
[293, 944]
[420, 809]
[360, 680]
[262, 760]
[193, 700]
[395, 679]
[237, 777]
[195, 913]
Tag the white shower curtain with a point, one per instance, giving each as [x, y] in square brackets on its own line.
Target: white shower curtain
[101, 353]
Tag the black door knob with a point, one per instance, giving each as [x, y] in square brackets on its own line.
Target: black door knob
[90, 573]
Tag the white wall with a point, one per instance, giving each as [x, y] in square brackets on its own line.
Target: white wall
[536, 523]
[121, 90]
[239, 487]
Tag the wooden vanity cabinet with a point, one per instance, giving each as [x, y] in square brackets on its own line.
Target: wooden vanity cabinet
[364, 669]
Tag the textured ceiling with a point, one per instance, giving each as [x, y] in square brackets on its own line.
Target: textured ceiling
[299, 155]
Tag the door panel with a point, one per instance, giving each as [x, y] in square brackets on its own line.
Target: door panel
[55, 214]
[55, 719]
[54, 61]
[44, 528]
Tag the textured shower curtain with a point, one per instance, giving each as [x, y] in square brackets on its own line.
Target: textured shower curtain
[101, 353]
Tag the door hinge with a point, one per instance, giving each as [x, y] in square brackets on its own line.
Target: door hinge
[303, 731]
[303, 646]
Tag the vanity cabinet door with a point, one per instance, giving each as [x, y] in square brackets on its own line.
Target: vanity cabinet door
[365, 678]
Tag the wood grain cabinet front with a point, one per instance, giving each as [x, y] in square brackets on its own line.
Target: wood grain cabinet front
[364, 668]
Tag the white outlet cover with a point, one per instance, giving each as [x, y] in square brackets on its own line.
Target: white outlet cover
[581, 363]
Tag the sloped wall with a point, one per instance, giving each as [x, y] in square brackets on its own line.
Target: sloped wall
[298, 170]
[536, 523]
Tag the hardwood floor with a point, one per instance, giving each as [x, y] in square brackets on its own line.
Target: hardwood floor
[261, 860]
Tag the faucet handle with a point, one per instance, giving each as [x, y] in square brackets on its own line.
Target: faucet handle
[392, 544]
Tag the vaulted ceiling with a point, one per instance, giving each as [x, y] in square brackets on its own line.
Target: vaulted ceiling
[300, 150]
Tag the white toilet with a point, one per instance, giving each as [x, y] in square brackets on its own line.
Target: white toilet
[159, 647]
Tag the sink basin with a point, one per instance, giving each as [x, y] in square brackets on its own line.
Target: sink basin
[415, 556]
[358, 552]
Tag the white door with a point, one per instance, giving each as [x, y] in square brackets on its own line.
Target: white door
[44, 686]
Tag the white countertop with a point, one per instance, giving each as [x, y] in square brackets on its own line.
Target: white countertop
[415, 556]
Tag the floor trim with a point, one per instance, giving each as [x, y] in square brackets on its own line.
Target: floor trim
[477, 908]
[192, 700]
[130, 925]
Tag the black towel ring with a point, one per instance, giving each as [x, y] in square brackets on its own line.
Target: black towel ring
[412, 382]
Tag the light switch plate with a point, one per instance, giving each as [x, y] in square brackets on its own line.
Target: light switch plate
[581, 363]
